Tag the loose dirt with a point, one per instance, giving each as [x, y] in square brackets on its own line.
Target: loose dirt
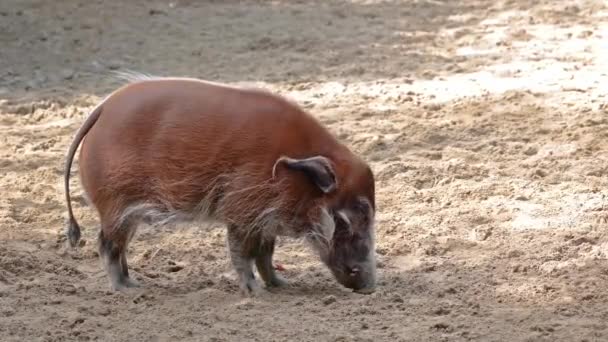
[485, 122]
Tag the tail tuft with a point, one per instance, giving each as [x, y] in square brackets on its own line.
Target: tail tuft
[73, 232]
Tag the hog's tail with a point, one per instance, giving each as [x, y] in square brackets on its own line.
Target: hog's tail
[73, 232]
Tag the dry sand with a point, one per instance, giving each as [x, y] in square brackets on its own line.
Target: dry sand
[486, 123]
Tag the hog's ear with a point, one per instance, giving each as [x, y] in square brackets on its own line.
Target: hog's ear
[319, 170]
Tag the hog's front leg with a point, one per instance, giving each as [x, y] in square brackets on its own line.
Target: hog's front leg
[263, 262]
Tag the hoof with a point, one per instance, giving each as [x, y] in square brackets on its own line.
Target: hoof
[250, 289]
[365, 291]
[277, 281]
[124, 284]
[131, 283]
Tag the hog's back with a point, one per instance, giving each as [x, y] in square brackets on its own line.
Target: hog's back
[174, 138]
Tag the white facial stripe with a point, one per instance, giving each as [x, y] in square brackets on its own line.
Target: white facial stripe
[345, 217]
[327, 224]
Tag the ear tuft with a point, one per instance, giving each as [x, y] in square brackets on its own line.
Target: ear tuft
[319, 170]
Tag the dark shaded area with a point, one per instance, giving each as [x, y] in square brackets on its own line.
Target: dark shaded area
[272, 41]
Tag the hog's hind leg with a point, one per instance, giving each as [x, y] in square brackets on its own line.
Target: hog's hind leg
[129, 281]
[113, 243]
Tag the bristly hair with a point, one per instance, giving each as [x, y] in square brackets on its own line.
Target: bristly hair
[260, 209]
[133, 76]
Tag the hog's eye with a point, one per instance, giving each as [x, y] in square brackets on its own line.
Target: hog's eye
[362, 206]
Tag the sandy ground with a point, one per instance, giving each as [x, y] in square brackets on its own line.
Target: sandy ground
[485, 122]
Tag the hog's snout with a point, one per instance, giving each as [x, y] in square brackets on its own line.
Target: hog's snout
[360, 278]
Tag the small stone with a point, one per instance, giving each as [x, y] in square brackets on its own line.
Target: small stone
[441, 326]
[246, 305]
[541, 173]
[142, 298]
[7, 311]
[67, 74]
[155, 11]
[114, 66]
[55, 301]
[104, 312]
[77, 321]
[585, 34]
[152, 275]
[514, 253]
[329, 300]
[69, 289]
[433, 107]
[175, 268]
[516, 268]
[441, 311]
[530, 151]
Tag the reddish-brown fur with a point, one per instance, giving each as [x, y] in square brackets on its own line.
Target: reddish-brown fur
[172, 144]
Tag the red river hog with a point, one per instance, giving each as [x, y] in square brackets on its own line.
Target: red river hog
[159, 150]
